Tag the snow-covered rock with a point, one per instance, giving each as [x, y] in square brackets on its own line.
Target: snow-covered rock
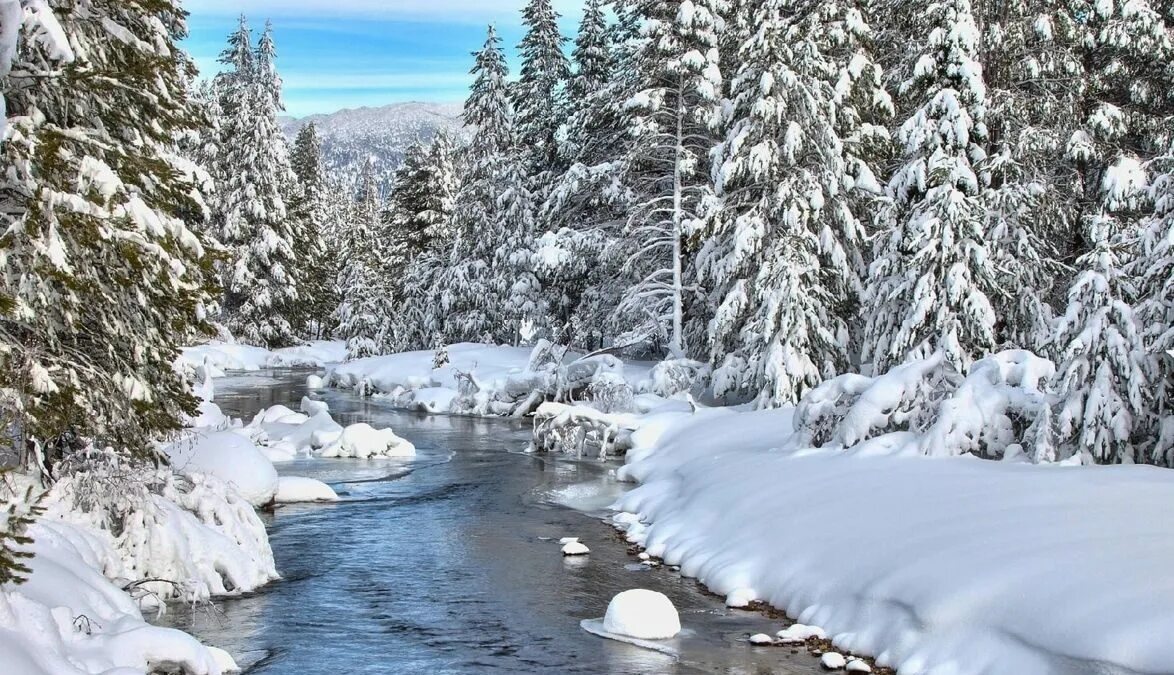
[229, 456]
[575, 548]
[761, 639]
[567, 540]
[858, 666]
[311, 407]
[800, 633]
[315, 382]
[292, 489]
[643, 614]
[833, 661]
[361, 441]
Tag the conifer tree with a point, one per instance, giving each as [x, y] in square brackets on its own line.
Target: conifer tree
[1100, 373]
[101, 277]
[470, 283]
[538, 92]
[254, 177]
[931, 284]
[1155, 272]
[592, 56]
[363, 314]
[776, 252]
[674, 119]
[309, 208]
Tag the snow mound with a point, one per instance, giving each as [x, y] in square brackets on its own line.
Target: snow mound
[315, 382]
[761, 639]
[575, 548]
[68, 619]
[229, 456]
[361, 441]
[293, 489]
[642, 614]
[219, 356]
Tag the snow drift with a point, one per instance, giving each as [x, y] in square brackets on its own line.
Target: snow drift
[944, 565]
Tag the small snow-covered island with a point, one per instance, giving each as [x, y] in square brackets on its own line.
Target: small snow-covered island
[623, 336]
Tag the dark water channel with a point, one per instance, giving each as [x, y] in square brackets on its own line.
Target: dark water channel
[449, 563]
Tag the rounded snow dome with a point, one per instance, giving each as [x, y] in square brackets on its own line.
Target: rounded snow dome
[642, 614]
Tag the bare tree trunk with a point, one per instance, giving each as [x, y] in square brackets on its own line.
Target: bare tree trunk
[676, 342]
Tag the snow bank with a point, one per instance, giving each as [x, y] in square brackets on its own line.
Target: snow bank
[293, 489]
[488, 380]
[231, 457]
[222, 356]
[69, 619]
[953, 565]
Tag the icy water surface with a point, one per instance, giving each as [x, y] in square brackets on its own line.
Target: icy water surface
[449, 563]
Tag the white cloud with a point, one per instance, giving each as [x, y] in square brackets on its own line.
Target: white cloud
[449, 10]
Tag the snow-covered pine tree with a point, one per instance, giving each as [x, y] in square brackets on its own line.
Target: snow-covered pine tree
[1033, 72]
[514, 260]
[592, 57]
[469, 283]
[931, 284]
[363, 313]
[537, 95]
[101, 278]
[417, 318]
[1155, 271]
[775, 254]
[316, 266]
[674, 119]
[1100, 376]
[254, 177]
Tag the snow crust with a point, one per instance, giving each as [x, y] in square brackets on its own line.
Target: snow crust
[932, 564]
[642, 614]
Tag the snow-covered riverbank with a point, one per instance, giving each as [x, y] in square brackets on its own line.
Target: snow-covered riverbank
[117, 539]
[933, 565]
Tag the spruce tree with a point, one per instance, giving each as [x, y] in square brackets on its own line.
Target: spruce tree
[538, 91]
[592, 56]
[254, 177]
[776, 252]
[470, 284]
[1155, 272]
[1100, 373]
[102, 277]
[363, 313]
[309, 207]
[931, 284]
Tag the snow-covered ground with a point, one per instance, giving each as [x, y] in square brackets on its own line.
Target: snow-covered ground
[222, 356]
[934, 565]
[479, 379]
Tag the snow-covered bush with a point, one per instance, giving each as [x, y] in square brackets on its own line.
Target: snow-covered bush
[190, 537]
[610, 392]
[674, 376]
[999, 408]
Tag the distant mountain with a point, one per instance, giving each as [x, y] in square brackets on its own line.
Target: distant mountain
[349, 137]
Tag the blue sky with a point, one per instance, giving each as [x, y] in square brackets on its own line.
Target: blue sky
[335, 54]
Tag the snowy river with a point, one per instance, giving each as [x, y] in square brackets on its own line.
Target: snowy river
[448, 563]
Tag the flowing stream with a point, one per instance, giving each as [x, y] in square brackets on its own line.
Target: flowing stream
[449, 562]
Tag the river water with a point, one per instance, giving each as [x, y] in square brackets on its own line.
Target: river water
[449, 563]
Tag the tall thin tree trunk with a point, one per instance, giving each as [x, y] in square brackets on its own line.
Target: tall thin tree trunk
[676, 342]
